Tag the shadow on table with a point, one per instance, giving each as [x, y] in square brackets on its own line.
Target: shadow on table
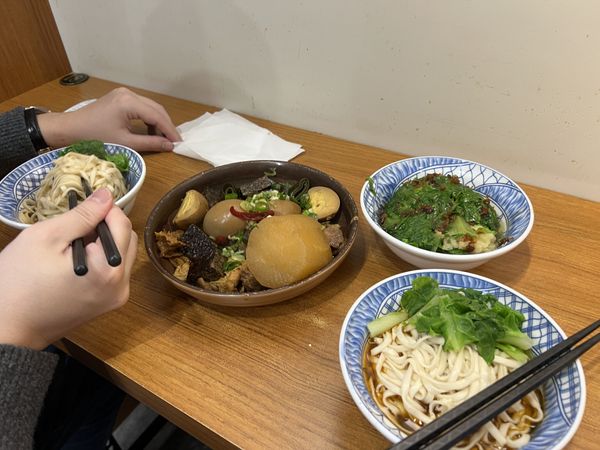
[508, 269]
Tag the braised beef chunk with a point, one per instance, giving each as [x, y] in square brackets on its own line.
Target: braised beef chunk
[334, 235]
[205, 260]
[260, 184]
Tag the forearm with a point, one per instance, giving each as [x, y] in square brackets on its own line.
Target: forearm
[107, 119]
[59, 129]
[25, 376]
[15, 145]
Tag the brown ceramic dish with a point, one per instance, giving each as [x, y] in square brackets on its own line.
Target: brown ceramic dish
[236, 174]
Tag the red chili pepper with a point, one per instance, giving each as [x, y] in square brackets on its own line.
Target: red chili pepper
[221, 240]
[254, 216]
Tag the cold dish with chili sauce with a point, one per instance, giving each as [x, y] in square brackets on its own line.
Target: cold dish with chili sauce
[438, 213]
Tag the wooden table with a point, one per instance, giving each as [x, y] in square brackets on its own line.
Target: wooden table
[269, 377]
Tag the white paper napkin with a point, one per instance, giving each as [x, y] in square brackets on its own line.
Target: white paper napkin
[225, 137]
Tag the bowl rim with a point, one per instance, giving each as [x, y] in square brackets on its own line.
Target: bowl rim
[446, 257]
[129, 195]
[377, 424]
[271, 292]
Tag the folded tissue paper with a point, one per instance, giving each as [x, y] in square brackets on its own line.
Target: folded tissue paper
[225, 137]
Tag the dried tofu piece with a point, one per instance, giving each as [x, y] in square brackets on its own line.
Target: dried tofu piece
[169, 243]
[227, 283]
[182, 267]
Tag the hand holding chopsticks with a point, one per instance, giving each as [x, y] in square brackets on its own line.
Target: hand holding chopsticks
[461, 421]
[111, 251]
[41, 297]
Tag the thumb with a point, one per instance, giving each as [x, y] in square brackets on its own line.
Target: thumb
[83, 219]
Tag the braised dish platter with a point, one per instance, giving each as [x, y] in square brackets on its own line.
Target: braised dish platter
[270, 247]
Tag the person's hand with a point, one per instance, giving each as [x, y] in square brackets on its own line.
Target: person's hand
[109, 119]
[42, 298]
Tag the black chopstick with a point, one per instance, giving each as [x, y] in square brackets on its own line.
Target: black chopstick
[108, 244]
[465, 418]
[79, 265]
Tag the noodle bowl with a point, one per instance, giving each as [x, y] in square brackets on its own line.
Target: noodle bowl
[413, 381]
[52, 197]
[564, 395]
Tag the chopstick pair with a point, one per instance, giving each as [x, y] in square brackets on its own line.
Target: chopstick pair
[459, 422]
[113, 257]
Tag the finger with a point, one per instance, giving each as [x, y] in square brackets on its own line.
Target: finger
[145, 143]
[163, 122]
[131, 253]
[119, 226]
[83, 219]
[125, 271]
[96, 259]
[157, 106]
[125, 240]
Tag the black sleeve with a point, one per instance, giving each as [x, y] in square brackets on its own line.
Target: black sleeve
[15, 145]
[25, 375]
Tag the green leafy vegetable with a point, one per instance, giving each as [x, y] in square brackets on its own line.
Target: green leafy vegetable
[512, 351]
[424, 288]
[459, 226]
[438, 213]
[463, 317]
[96, 148]
[384, 323]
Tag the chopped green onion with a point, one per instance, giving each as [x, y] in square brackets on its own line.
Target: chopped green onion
[371, 182]
[229, 192]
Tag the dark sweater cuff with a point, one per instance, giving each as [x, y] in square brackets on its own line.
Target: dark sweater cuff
[25, 375]
[15, 145]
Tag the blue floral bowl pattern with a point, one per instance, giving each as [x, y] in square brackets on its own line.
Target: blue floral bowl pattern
[564, 394]
[510, 201]
[24, 181]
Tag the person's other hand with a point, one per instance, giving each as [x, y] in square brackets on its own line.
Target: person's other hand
[108, 119]
[42, 298]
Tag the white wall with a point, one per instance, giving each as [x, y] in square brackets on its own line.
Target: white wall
[513, 84]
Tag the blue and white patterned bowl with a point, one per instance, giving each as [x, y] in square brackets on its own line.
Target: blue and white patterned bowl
[25, 180]
[564, 394]
[510, 201]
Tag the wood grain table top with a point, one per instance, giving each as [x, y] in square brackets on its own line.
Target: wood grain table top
[269, 377]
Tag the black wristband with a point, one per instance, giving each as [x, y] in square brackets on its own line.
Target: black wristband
[33, 128]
